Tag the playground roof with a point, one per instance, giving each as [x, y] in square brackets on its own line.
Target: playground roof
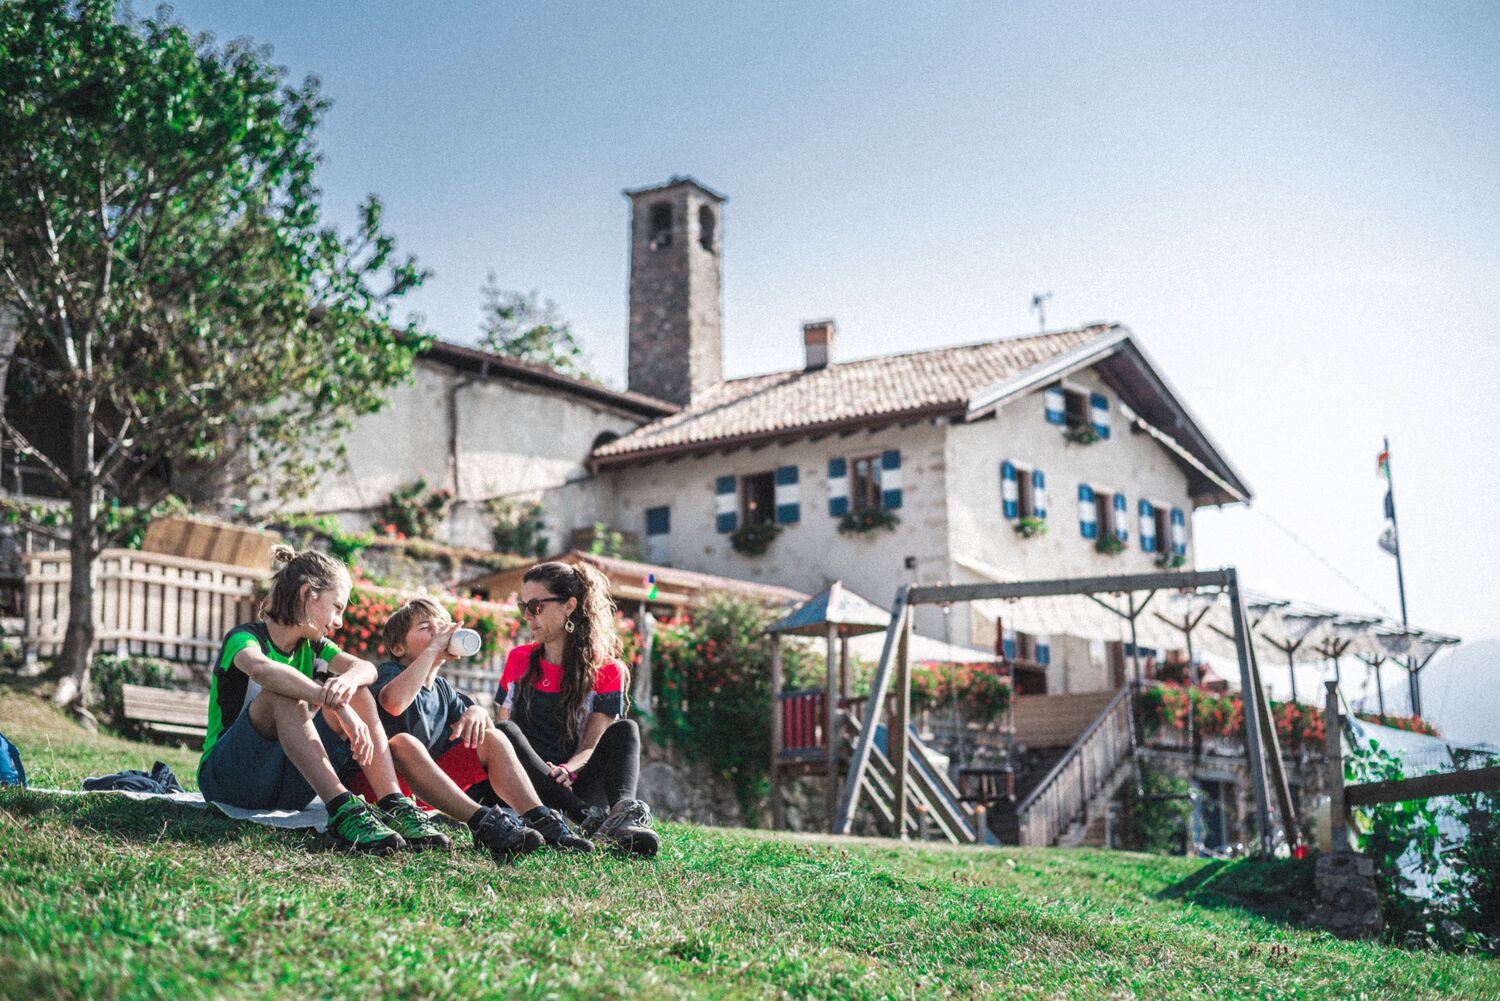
[835, 605]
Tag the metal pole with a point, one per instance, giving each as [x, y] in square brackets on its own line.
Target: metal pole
[1193, 693]
[1390, 489]
[1379, 688]
[1135, 651]
[1248, 698]
[1291, 666]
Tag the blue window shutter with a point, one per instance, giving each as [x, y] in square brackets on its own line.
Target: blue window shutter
[1088, 522]
[658, 521]
[726, 502]
[1010, 502]
[890, 479]
[1148, 526]
[838, 488]
[1038, 495]
[1179, 533]
[788, 500]
[1056, 405]
[1044, 650]
[1122, 520]
[1099, 413]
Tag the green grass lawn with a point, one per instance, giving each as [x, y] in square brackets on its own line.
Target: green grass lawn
[105, 897]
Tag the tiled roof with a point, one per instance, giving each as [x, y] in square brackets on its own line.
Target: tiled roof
[846, 393]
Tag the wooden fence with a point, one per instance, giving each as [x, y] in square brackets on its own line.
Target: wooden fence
[144, 603]
[179, 609]
[1062, 796]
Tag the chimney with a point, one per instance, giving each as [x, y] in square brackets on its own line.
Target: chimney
[817, 339]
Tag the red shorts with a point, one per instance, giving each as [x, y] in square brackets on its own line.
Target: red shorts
[459, 763]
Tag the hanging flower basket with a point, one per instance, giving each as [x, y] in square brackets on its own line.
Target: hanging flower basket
[1030, 527]
[752, 540]
[1110, 545]
[1170, 561]
[867, 519]
[1083, 434]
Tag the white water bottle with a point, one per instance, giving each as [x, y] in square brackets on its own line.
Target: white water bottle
[465, 643]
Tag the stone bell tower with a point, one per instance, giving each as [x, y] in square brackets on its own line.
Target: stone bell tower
[676, 299]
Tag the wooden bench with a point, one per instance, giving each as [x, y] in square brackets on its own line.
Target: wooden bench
[165, 711]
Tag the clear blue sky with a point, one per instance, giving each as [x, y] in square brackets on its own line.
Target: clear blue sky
[1296, 210]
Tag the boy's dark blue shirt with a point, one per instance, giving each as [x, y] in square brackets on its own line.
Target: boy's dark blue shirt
[431, 715]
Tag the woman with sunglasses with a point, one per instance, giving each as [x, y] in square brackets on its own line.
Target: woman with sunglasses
[562, 699]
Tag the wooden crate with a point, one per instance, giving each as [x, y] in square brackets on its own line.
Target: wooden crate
[210, 541]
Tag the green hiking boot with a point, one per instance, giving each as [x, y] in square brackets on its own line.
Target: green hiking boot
[402, 815]
[354, 826]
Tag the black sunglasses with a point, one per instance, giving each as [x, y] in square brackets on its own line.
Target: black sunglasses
[534, 606]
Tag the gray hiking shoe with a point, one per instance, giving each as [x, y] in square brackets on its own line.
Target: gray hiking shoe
[628, 826]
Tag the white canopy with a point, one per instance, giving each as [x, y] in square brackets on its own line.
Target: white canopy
[1282, 630]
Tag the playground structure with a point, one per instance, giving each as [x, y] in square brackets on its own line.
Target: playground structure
[876, 760]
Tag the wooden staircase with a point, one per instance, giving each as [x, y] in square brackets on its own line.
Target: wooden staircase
[1069, 806]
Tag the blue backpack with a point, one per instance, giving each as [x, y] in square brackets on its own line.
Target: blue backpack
[12, 773]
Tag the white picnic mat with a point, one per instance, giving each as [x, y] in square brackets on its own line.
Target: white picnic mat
[314, 815]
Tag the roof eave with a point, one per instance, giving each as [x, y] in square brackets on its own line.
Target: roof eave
[950, 409]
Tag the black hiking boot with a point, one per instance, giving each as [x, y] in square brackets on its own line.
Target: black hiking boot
[503, 835]
[555, 831]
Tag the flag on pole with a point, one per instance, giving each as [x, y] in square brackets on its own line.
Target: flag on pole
[650, 583]
[1390, 505]
[1383, 465]
[1387, 539]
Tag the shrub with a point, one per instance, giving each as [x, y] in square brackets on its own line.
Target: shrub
[1158, 821]
[714, 690]
[982, 691]
[111, 672]
[412, 511]
[518, 527]
[752, 540]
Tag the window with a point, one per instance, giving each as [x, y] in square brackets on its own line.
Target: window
[758, 499]
[706, 228]
[864, 482]
[1162, 515]
[1076, 406]
[658, 535]
[1025, 493]
[1104, 513]
[661, 225]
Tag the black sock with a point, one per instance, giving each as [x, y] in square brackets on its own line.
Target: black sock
[535, 814]
[385, 801]
[338, 801]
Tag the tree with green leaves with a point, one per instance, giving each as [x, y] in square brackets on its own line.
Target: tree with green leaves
[173, 284]
[521, 325]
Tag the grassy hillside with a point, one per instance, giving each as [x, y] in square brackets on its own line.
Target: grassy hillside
[103, 897]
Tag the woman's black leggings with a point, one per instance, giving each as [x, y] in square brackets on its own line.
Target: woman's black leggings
[609, 775]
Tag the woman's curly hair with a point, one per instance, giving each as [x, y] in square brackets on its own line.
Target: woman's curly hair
[592, 643]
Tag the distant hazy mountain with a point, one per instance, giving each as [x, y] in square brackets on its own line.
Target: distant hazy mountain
[1461, 692]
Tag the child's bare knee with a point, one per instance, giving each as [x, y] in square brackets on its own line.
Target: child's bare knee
[404, 745]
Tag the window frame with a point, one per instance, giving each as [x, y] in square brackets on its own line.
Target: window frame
[871, 482]
[746, 501]
[1104, 513]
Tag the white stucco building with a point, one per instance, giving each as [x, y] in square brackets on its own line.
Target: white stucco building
[1019, 458]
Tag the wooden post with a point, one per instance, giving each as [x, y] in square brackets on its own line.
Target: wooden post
[778, 803]
[1252, 714]
[642, 693]
[1272, 745]
[843, 668]
[831, 730]
[896, 734]
[1333, 754]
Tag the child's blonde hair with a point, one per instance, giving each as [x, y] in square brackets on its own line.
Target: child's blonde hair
[293, 569]
[402, 619]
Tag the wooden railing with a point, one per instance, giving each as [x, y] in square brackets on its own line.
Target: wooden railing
[1060, 798]
[803, 720]
[144, 603]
